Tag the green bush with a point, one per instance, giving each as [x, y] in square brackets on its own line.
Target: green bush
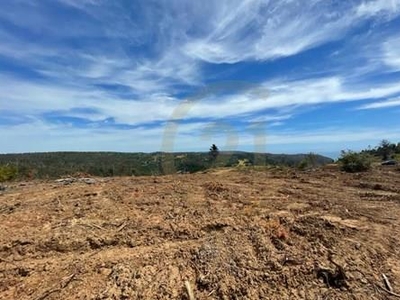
[353, 162]
[8, 173]
[303, 165]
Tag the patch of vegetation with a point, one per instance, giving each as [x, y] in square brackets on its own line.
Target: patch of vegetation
[303, 165]
[58, 164]
[354, 162]
[309, 161]
[385, 150]
[8, 172]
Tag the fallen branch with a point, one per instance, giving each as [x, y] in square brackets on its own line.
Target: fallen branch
[189, 290]
[122, 226]
[389, 292]
[93, 226]
[387, 283]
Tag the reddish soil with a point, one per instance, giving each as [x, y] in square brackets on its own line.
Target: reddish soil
[230, 234]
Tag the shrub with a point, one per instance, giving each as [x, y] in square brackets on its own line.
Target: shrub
[8, 173]
[353, 162]
[303, 165]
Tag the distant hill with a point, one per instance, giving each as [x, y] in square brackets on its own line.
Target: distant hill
[56, 164]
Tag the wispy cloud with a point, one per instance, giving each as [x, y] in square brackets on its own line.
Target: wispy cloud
[374, 7]
[39, 97]
[190, 137]
[391, 53]
[381, 104]
[80, 4]
[262, 30]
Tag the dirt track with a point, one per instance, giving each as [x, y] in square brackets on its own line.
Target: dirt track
[232, 235]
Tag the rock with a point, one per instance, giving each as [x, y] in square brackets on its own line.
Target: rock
[2, 187]
[88, 180]
[71, 180]
[65, 181]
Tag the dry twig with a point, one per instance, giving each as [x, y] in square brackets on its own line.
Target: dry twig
[122, 226]
[387, 283]
[389, 292]
[93, 226]
[189, 290]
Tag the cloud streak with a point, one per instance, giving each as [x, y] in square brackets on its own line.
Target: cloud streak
[41, 137]
[391, 53]
[263, 30]
[37, 98]
[382, 104]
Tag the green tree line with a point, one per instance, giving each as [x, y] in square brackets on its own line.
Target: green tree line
[58, 164]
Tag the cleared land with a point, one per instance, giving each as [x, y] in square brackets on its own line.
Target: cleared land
[249, 234]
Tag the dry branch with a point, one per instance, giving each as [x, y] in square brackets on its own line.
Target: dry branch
[122, 226]
[387, 283]
[389, 292]
[93, 226]
[189, 290]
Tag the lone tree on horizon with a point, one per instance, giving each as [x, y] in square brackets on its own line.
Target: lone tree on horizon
[386, 149]
[213, 153]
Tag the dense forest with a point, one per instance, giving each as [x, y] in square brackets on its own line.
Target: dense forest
[57, 164]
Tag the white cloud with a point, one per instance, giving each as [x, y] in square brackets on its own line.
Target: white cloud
[39, 136]
[373, 7]
[334, 136]
[223, 31]
[36, 98]
[286, 94]
[381, 104]
[19, 49]
[391, 53]
[187, 137]
[262, 30]
[80, 4]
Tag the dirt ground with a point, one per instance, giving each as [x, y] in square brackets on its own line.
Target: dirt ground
[227, 234]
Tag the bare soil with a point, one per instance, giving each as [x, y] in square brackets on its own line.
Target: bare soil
[228, 234]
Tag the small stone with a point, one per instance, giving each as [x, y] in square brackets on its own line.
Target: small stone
[88, 180]
[65, 181]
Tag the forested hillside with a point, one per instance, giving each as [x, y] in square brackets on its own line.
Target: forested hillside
[56, 164]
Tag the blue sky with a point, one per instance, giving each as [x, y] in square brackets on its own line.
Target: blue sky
[173, 75]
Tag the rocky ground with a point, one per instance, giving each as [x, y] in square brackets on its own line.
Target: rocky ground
[227, 234]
